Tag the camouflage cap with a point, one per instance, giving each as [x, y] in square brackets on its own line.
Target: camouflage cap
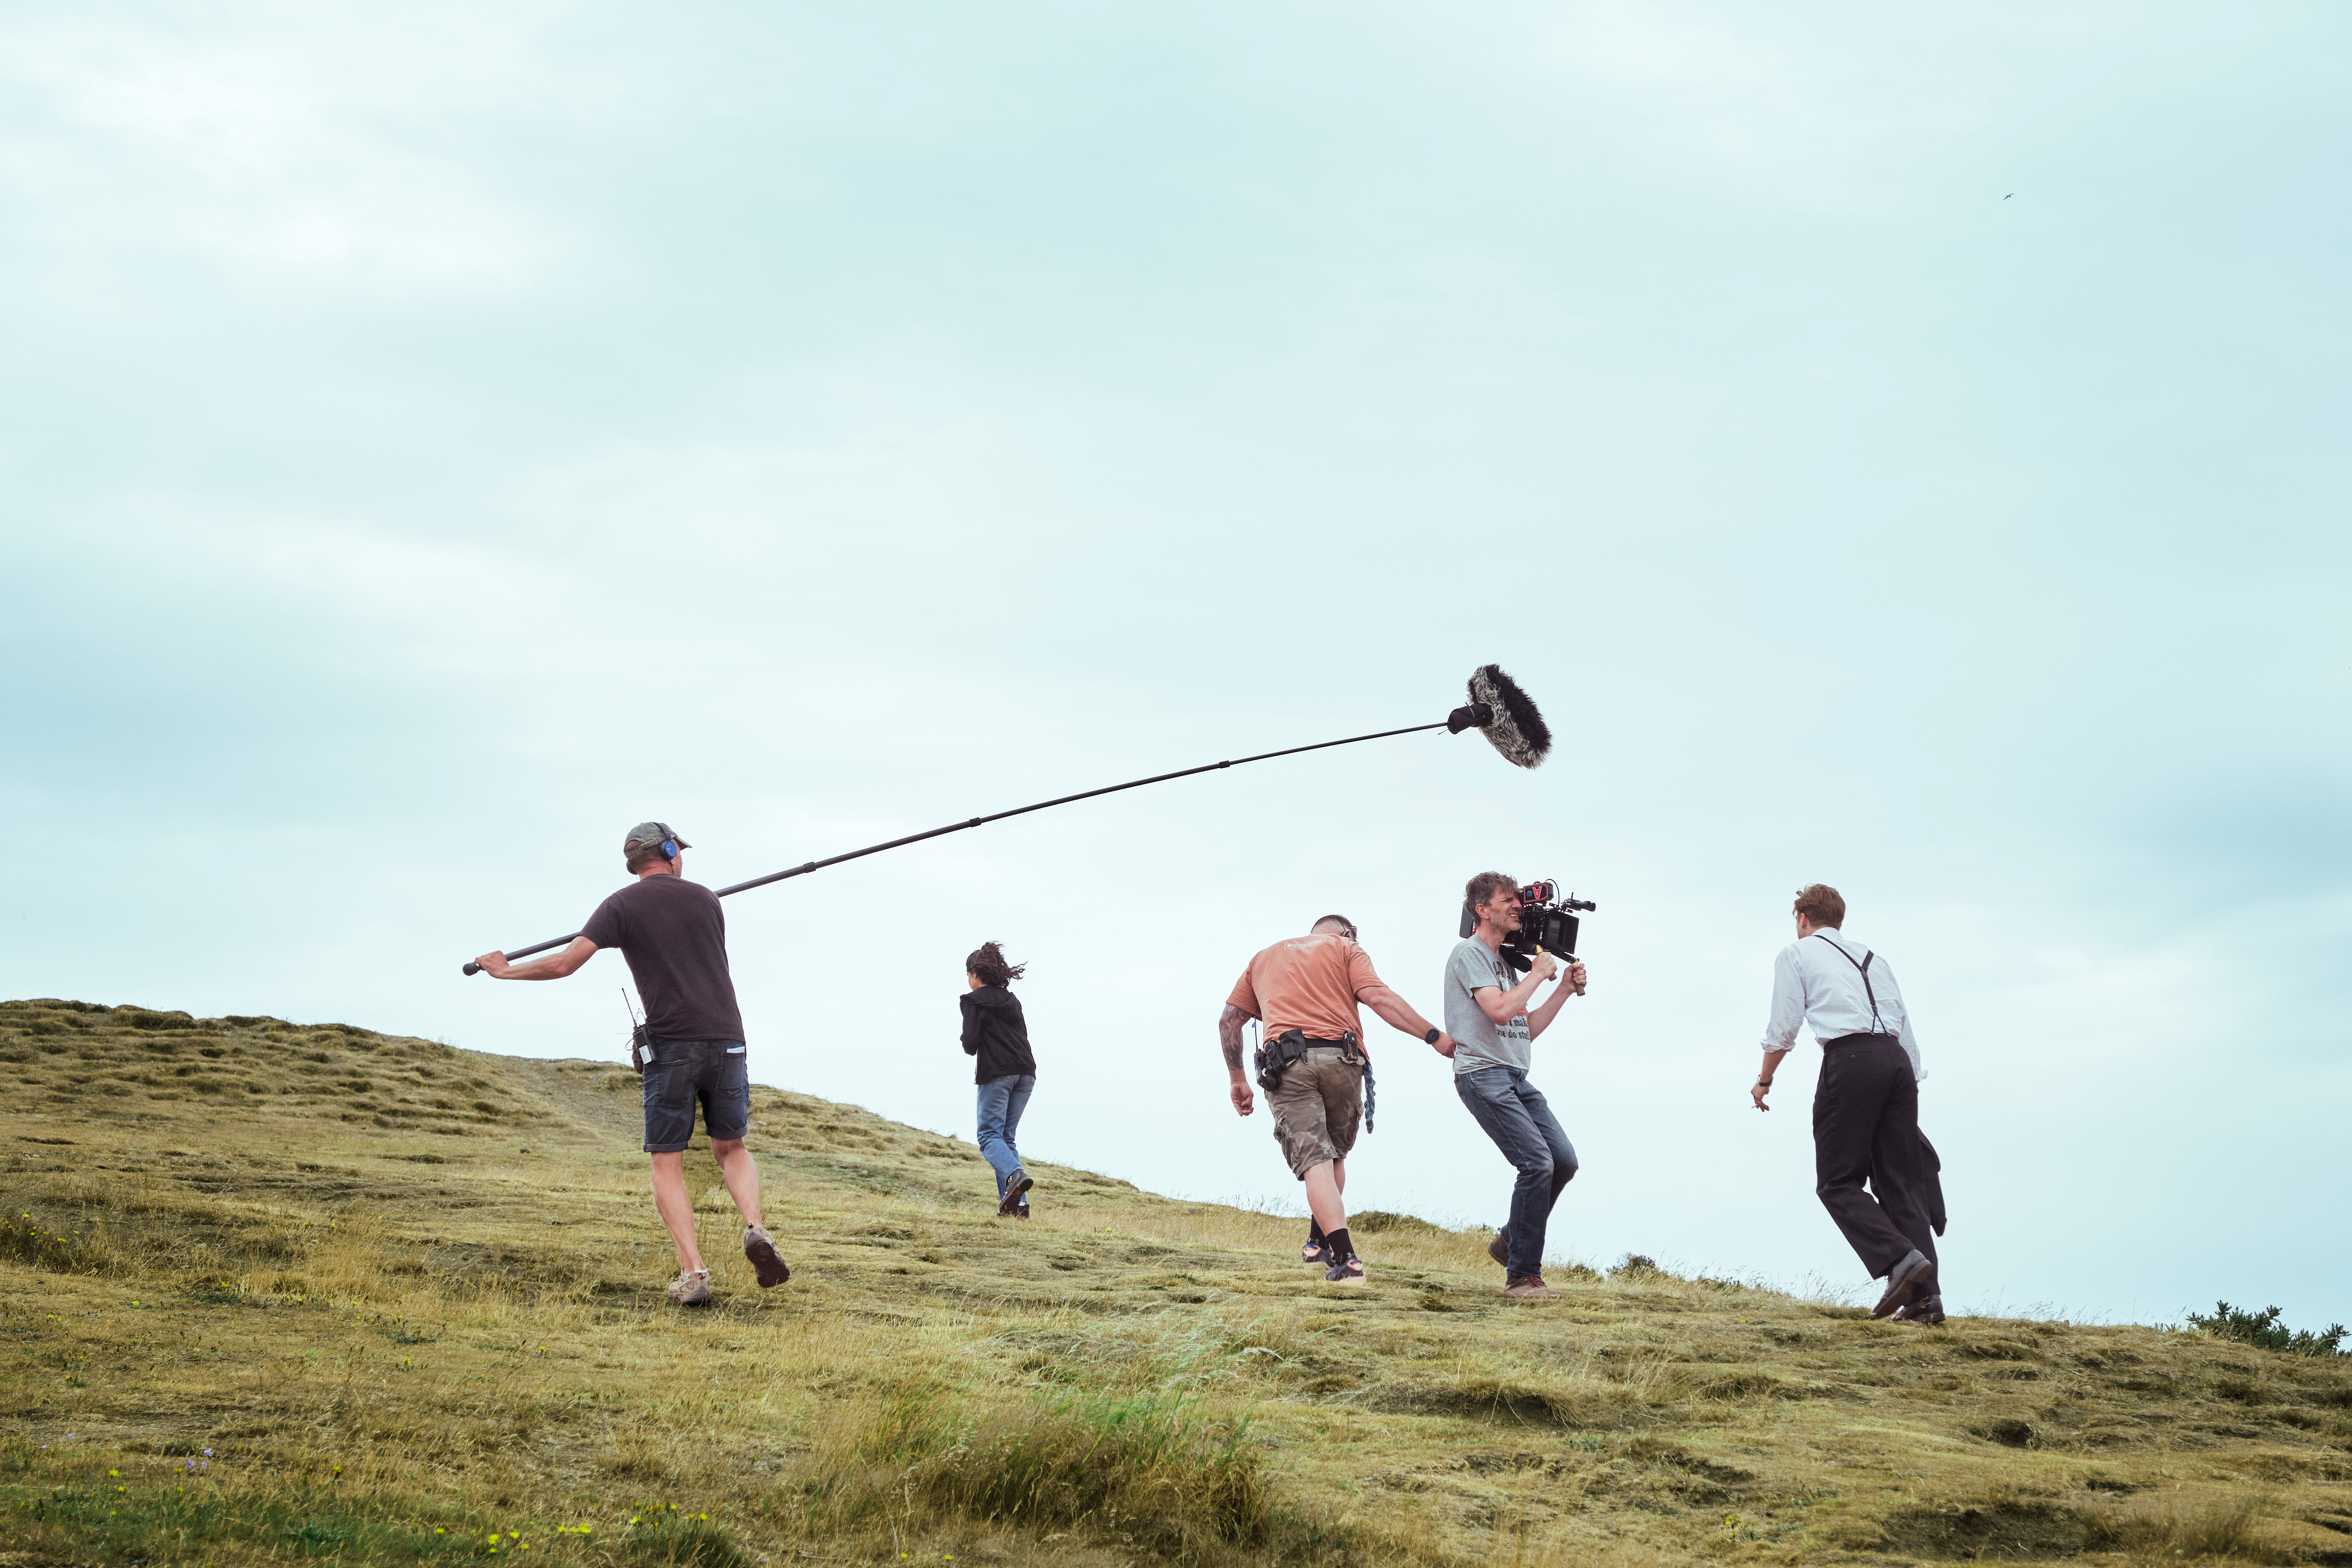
[653, 833]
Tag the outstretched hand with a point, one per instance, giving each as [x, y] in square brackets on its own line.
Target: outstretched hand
[1245, 1098]
[494, 964]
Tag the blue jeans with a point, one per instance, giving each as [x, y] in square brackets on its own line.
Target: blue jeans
[1002, 1102]
[1515, 1114]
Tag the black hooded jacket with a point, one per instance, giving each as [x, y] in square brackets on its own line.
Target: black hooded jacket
[994, 1031]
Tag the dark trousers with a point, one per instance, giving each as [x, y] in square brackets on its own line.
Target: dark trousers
[1515, 1114]
[1866, 1128]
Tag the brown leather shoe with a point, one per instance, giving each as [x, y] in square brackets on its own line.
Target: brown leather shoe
[1529, 1287]
[1499, 1250]
[1927, 1311]
[1907, 1282]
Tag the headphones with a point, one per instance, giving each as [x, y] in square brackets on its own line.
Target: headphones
[669, 841]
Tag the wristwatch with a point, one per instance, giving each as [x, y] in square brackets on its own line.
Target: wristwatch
[1432, 1036]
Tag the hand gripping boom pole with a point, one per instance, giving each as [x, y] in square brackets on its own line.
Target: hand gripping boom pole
[1480, 713]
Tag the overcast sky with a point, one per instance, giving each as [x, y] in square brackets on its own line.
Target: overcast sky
[1899, 449]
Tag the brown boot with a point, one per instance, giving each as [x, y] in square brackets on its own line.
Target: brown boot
[1499, 1250]
[1015, 1184]
[1528, 1288]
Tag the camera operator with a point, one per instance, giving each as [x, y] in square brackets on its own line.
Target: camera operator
[675, 938]
[1304, 992]
[1865, 1105]
[1487, 1012]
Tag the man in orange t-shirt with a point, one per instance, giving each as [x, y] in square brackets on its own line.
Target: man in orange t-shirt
[1308, 987]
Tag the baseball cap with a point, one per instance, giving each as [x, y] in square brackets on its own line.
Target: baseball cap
[653, 833]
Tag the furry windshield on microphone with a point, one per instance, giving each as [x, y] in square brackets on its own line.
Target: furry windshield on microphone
[1517, 730]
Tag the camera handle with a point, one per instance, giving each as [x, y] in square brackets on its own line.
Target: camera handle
[1567, 958]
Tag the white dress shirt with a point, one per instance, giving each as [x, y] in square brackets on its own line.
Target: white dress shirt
[1816, 982]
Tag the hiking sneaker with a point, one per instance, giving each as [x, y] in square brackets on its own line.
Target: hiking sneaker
[1349, 1272]
[1499, 1250]
[1528, 1288]
[761, 1249]
[1928, 1311]
[691, 1288]
[1907, 1282]
[1015, 1184]
[1314, 1254]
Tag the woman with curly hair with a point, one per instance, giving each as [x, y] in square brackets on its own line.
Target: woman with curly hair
[995, 1033]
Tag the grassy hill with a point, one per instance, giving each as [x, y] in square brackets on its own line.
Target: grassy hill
[280, 1292]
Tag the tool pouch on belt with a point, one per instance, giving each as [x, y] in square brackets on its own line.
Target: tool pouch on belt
[1275, 1057]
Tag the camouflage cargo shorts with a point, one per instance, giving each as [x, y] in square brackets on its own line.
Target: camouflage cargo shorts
[1317, 1108]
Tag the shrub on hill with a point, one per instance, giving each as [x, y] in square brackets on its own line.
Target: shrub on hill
[2264, 1329]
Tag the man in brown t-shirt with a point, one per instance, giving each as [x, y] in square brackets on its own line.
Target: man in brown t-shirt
[1311, 986]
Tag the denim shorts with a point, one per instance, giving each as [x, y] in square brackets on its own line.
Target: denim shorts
[685, 1073]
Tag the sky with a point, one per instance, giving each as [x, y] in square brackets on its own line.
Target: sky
[1897, 449]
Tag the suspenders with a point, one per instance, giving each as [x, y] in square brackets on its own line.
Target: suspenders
[1864, 970]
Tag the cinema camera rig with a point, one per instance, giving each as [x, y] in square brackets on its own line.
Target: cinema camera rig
[1547, 921]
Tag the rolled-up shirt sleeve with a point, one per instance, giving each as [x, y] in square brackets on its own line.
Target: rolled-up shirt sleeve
[1787, 1003]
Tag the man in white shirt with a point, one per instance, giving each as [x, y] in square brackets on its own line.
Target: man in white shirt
[1867, 1105]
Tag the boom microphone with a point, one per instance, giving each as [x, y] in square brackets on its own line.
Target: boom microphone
[1498, 708]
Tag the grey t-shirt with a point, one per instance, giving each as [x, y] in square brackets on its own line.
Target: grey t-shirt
[1478, 1040]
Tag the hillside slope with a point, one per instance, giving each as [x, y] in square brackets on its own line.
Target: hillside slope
[317, 1292]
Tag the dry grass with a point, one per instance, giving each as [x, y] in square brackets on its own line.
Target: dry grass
[399, 1321]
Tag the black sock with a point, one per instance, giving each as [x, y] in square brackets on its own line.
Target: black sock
[1314, 1232]
[1341, 1248]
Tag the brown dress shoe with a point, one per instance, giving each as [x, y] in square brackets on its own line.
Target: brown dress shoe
[1927, 1311]
[1499, 1250]
[1528, 1288]
[1907, 1282]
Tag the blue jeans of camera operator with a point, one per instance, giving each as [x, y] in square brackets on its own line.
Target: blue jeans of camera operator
[1515, 1114]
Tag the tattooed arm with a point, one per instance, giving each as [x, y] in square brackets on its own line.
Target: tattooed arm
[1229, 1036]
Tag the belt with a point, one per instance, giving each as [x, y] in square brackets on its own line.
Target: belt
[1861, 1039]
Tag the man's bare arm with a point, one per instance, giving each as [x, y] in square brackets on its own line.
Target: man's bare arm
[1397, 1015]
[1571, 983]
[1500, 1005]
[554, 966]
[1229, 1036]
